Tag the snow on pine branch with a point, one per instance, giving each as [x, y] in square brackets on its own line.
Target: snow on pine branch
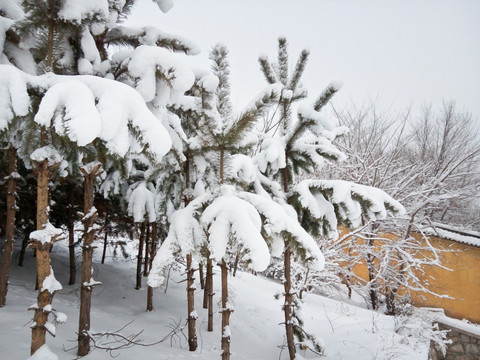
[229, 217]
[326, 203]
[147, 62]
[281, 220]
[110, 109]
[141, 204]
[185, 236]
[150, 35]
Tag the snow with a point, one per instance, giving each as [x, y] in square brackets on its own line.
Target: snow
[164, 5]
[51, 284]
[109, 106]
[230, 217]
[14, 100]
[348, 332]
[142, 203]
[278, 221]
[71, 107]
[46, 234]
[147, 61]
[448, 232]
[76, 11]
[272, 154]
[243, 168]
[43, 353]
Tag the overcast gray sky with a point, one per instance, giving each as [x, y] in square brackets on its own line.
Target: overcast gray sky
[399, 52]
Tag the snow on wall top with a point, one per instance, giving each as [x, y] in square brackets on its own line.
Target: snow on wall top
[451, 233]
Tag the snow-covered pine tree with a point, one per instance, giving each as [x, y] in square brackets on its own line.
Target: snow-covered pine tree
[299, 147]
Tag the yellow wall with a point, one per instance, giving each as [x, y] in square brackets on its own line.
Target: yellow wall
[462, 283]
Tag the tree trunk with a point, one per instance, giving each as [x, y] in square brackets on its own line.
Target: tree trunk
[226, 311]
[153, 250]
[71, 254]
[288, 306]
[105, 242]
[90, 214]
[209, 288]
[371, 275]
[192, 316]
[28, 230]
[147, 251]
[202, 279]
[7, 248]
[140, 256]
[42, 250]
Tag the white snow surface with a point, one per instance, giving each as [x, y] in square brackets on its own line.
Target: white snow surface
[272, 154]
[43, 353]
[348, 332]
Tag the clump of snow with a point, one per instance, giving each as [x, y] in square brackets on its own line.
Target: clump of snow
[145, 63]
[76, 11]
[51, 284]
[71, 107]
[14, 99]
[164, 5]
[142, 203]
[46, 234]
[243, 168]
[230, 217]
[272, 154]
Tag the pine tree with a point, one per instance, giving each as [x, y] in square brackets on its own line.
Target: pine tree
[298, 148]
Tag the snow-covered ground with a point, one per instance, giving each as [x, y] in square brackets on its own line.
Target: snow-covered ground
[347, 331]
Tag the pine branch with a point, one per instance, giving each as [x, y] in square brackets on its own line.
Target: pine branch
[267, 70]
[299, 69]
[283, 60]
[325, 97]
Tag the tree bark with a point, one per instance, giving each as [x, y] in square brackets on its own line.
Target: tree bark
[42, 251]
[153, 250]
[147, 251]
[71, 254]
[209, 288]
[90, 214]
[192, 317]
[7, 248]
[202, 279]
[288, 306]
[141, 241]
[105, 242]
[226, 311]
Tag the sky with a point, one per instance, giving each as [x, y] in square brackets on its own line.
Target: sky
[395, 54]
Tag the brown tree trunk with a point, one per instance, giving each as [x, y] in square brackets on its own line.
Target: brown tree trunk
[226, 311]
[202, 279]
[71, 254]
[105, 242]
[90, 214]
[140, 256]
[147, 251]
[7, 248]
[24, 246]
[288, 306]
[209, 288]
[42, 250]
[153, 250]
[192, 316]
